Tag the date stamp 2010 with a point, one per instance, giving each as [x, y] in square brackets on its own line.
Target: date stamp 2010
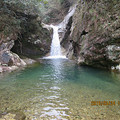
[105, 103]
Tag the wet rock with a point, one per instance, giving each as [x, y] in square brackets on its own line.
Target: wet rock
[113, 52]
[29, 61]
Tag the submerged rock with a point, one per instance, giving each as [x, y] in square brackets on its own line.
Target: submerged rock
[13, 115]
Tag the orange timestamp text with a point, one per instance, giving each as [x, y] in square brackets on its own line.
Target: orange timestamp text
[104, 103]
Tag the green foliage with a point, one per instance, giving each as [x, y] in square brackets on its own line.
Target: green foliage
[30, 6]
[9, 21]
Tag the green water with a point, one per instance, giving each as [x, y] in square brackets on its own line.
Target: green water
[60, 90]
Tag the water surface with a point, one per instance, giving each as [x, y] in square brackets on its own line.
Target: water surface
[59, 89]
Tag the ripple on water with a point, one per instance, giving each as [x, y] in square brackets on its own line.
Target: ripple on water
[60, 89]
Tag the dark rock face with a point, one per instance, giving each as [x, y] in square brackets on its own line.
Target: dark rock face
[65, 41]
[34, 40]
[95, 33]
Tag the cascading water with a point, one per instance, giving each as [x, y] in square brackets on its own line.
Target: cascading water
[55, 46]
[63, 24]
[55, 51]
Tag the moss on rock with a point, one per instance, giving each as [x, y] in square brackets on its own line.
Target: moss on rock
[100, 20]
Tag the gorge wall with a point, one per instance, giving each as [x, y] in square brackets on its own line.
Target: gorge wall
[94, 36]
[21, 31]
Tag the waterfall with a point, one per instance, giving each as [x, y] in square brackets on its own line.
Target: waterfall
[63, 24]
[55, 51]
[55, 46]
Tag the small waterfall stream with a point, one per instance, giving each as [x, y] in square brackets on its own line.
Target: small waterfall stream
[63, 24]
[55, 46]
[55, 51]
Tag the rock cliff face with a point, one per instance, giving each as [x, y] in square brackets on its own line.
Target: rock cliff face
[92, 35]
[34, 40]
[20, 32]
[95, 33]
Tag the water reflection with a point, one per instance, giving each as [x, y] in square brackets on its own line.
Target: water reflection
[55, 106]
[59, 89]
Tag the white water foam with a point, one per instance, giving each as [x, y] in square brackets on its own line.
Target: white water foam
[55, 46]
[55, 52]
[56, 57]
